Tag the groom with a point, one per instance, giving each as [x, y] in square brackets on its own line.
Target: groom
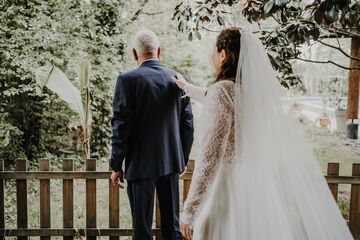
[152, 128]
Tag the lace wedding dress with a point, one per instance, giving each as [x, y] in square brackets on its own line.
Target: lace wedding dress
[216, 140]
[255, 176]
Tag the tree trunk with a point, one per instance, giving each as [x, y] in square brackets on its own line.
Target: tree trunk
[354, 78]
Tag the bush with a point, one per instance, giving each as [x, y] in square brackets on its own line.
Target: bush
[10, 143]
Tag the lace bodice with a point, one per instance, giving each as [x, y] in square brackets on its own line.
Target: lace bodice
[216, 138]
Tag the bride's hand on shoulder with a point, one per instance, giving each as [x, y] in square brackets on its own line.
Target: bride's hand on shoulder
[186, 231]
[180, 81]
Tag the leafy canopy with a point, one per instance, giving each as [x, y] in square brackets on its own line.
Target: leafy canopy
[284, 25]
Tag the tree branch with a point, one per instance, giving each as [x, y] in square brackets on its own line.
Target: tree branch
[326, 62]
[138, 12]
[276, 19]
[152, 13]
[340, 49]
[210, 30]
[136, 15]
[341, 32]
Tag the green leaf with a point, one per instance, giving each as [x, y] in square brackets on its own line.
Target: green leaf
[268, 6]
[315, 33]
[319, 15]
[221, 20]
[351, 19]
[283, 17]
[190, 37]
[342, 4]
[331, 15]
[181, 26]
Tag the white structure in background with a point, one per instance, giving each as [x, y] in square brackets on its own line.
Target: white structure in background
[313, 109]
[317, 79]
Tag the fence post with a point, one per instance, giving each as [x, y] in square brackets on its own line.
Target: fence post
[68, 199]
[333, 170]
[354, 222]
[91, 198]
[114, 221]
[157, 215]
[2, 199]
[187, 182]
[45, 221]
[21, 197]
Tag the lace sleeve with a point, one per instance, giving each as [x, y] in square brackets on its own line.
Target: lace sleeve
[195, 92]
[219, 117]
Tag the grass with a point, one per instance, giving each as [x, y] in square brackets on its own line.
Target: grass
[329, 148]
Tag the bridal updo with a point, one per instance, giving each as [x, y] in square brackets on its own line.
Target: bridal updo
[229, 41]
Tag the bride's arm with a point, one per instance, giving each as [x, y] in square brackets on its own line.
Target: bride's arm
[194, 92]
[212, 150]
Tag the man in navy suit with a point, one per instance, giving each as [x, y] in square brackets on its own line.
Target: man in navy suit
[152, 130]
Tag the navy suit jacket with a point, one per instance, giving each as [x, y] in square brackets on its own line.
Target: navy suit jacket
[152, 123]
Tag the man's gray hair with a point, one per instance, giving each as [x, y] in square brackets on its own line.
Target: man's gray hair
[146, 42]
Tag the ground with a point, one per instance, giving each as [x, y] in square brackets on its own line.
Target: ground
[335, 148]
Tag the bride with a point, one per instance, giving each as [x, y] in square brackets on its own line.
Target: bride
[255, 176]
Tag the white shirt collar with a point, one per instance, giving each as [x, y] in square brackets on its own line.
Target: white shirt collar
[151, 59]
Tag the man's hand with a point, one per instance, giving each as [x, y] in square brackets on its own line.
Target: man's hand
[185, 231]
[117, 178]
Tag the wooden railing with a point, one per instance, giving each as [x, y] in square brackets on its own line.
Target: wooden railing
[334, 180]
[68, 175]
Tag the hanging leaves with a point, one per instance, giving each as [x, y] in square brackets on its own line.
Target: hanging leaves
[331, 15]
[190, 37]
[268, 6]
[296, 22]
[220, 20]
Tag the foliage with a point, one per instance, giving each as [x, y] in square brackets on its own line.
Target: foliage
[293, 23]
[61, 33]
[105, 48]
[344, 206]
[335, 91]
[54, 126]
[10, 136]
[77, 99]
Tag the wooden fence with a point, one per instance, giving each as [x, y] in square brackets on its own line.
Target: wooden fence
[68, 175]
[334, 180]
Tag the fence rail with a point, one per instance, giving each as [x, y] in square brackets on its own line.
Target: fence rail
[68, 175]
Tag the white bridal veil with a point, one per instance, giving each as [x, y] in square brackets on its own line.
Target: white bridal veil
[278, 191]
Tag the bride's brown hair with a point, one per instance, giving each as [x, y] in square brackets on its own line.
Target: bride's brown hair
[229, 40]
